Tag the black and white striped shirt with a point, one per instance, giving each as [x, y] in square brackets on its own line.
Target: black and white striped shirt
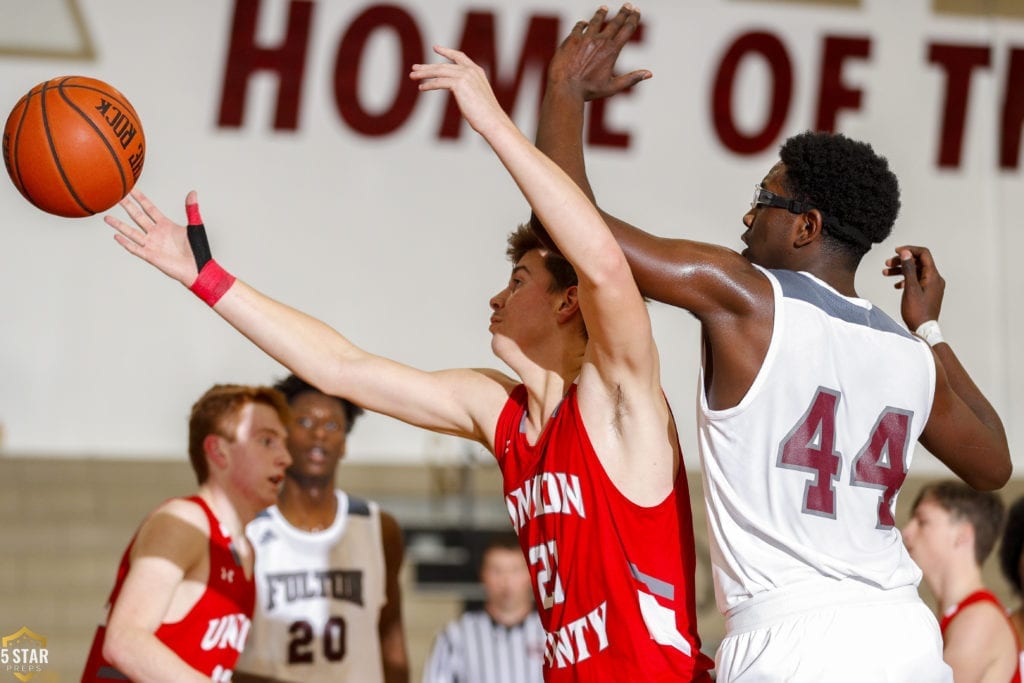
[476, 649]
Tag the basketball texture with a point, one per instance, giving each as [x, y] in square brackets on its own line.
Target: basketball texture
[73, 146]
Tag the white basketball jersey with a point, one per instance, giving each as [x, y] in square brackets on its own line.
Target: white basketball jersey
[318, 597]
[801, 477]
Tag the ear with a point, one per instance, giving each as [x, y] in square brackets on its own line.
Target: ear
[569, 304]
[964, 536]
[216, 455]
[809, 227]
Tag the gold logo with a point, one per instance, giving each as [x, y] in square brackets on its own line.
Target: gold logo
[24, 654]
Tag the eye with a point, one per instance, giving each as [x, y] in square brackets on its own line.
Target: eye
[304, 422]
[332, 426]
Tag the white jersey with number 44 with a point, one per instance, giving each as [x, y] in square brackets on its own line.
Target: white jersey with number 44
[801, 477]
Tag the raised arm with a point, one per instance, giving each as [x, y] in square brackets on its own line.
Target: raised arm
[963, 430]
[616, 317]
[705, 279]
[459, 402]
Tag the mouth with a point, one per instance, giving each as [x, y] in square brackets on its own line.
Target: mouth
[277, 479]
[316, 455]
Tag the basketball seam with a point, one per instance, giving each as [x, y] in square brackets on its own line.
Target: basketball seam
[53, 150]
[106, 142]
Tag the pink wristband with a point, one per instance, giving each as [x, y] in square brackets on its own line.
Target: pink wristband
[212, 283]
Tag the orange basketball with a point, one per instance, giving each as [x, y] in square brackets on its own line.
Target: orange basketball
[73, 146]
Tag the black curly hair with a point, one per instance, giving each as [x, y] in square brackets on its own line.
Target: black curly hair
[1013, 545]
[848, 182]
[292, 385]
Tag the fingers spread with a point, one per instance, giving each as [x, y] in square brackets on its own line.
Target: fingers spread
[597, 21]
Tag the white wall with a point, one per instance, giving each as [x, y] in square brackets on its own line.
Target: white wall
[398, 240]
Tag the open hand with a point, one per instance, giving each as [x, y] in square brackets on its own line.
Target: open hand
[155, 238]
[467, 82]
[586, 58]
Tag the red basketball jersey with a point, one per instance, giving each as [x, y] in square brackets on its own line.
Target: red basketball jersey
[981, 596]
[211, 636]
[613, 580]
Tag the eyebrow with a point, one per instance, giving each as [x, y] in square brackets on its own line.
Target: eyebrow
[520, 267]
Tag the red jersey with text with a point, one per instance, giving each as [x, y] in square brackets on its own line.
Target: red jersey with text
[613, 580]
[211, 636]
[981, 596]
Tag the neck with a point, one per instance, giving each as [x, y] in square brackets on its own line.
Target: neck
[508, 615]
[308, 503]
[233, 515]
[836, 274]
[957, 583]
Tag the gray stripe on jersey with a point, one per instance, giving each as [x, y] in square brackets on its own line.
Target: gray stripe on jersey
[796, 286]
[358, 506]
[656, 586]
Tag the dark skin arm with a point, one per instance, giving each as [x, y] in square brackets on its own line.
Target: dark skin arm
[392, 633]
[730, 297]
[963, 430]
[725, 292]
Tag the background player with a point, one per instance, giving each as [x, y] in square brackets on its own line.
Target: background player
[344, 622]
[586, 420]
[951, 531]
[810, 397]
[503, 642]
[1011, 554]
[183, 600]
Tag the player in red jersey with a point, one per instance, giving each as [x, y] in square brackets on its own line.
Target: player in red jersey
[183, 599]
[951, 532]
[605, 525]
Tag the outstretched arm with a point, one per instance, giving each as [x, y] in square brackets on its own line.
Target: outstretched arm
[616, 317]
[702, 278]
[963, 431]
[460, 402]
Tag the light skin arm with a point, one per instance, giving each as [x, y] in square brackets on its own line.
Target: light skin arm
[464, 403]
[620, 375]
[392, 632]
[978, 645]
[730, 297]
[963, 430]
[166, 548]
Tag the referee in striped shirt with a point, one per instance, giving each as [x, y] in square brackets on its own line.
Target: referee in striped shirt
[504, 641]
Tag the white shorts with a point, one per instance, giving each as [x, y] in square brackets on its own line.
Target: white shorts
[839, 631]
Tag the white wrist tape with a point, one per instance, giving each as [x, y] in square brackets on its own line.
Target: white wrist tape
[930, 332]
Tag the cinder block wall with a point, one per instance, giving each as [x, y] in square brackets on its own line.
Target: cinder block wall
[64, 524]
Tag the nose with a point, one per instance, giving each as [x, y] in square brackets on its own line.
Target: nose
[748, 218]
[284, 457]
[497, 301]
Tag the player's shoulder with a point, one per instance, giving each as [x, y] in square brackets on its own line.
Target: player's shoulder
[361, 507]
[186, 510]
[980, 621]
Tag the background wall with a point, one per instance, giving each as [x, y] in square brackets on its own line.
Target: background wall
[327, 182]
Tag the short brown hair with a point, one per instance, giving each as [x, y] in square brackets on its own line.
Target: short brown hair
[983, 510]
[217, 412]
[524, 239]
